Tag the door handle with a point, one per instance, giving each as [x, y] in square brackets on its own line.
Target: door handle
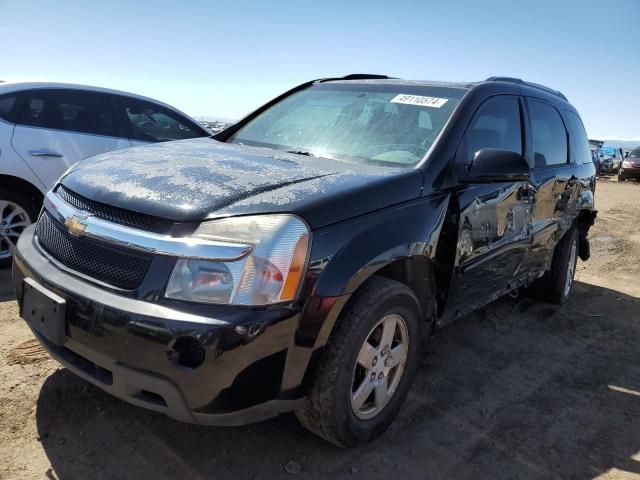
[45, 153]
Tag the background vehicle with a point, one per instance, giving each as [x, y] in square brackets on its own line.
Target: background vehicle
[297, 260]
[612, 159]
[595, 156]
[630, 167]
[47, 127]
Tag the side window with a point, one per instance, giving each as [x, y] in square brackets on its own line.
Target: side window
[579, 140]
[496, 124]
[7, 105]
[153, 123]
[73, 110]
[549, 136]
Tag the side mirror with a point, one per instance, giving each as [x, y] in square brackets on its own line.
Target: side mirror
[496, 165]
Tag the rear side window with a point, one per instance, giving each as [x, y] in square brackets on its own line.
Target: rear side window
[72, 110]
[579, 140]
[153, 123]
[7, 106]
[496, 124]
[549, 136]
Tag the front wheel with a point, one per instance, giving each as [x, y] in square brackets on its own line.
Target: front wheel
[17, 212]
[367, 366]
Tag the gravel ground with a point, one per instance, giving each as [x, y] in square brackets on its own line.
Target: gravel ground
[517, 390]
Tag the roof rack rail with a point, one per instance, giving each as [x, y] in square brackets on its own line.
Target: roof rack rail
[365, 76]
[519, 81]
[357, 76]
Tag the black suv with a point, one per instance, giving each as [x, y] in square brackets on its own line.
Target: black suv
[296, 260]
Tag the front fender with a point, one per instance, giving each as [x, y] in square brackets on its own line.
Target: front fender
[345, 255]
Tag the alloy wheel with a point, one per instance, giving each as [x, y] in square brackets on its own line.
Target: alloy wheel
[379, 367]
[13, 220]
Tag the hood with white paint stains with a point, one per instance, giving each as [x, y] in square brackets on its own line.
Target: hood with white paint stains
[197, 179]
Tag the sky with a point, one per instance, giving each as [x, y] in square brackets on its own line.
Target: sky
[224, 59]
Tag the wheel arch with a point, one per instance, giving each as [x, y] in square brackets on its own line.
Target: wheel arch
[19, 185]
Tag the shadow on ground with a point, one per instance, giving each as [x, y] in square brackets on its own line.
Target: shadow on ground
[518, 390]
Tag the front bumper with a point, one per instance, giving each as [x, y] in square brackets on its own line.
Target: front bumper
[125, 346]
[629, 172]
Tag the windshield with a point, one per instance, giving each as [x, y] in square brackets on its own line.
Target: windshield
[365, 123]
[635, 153]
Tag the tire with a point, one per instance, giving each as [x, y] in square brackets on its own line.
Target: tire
[27, 211]
[554, 286]
[328, 410]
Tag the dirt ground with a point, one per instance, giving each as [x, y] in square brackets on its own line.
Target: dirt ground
[517, 390]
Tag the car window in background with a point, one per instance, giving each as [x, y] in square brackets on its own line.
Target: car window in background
[496, 124]
[7, 103]
[635, 153]
[72, 110]
[549, 135]
[154, 123]
[579, 139]
[392, 126]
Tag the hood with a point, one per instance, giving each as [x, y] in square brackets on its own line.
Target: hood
[193, 180]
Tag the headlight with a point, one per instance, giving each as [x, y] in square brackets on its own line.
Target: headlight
[271, 273]
[626, 164]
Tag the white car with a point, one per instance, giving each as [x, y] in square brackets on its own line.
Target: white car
[47, 127]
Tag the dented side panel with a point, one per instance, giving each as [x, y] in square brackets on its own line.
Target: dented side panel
[493, 235]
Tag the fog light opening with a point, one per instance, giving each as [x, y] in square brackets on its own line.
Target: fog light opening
[186, 352]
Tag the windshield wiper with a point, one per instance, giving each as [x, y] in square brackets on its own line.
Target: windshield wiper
[298, 152]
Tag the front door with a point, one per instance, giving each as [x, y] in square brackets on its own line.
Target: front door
[494, 221]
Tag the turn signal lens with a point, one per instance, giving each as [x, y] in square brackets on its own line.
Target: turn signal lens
[296, 269]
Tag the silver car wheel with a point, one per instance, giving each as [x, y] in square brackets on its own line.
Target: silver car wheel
[379, 367]
[13, 220]
[570, 269]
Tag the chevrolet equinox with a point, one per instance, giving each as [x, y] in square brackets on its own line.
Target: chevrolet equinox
[296, 260]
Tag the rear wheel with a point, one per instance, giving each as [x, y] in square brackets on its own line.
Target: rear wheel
[367, 366]
[17, 212]
[555, 285]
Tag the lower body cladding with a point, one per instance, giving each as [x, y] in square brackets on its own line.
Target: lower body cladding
[227, 369]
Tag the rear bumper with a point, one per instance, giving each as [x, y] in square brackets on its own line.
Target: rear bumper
[125, 346]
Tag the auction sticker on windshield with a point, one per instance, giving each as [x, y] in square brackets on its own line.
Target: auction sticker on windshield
[419, 100]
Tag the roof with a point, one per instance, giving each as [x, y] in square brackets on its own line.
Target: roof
[7, 87]
[400, 81]
[383, 79]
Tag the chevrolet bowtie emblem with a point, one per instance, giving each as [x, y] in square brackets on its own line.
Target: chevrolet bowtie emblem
[75, 226]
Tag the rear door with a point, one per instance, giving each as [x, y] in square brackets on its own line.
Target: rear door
[493, 230]
[149, 122]
[554, 179]
[59, 127]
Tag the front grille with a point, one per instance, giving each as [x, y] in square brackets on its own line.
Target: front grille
[115, 214]
[113, 265]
